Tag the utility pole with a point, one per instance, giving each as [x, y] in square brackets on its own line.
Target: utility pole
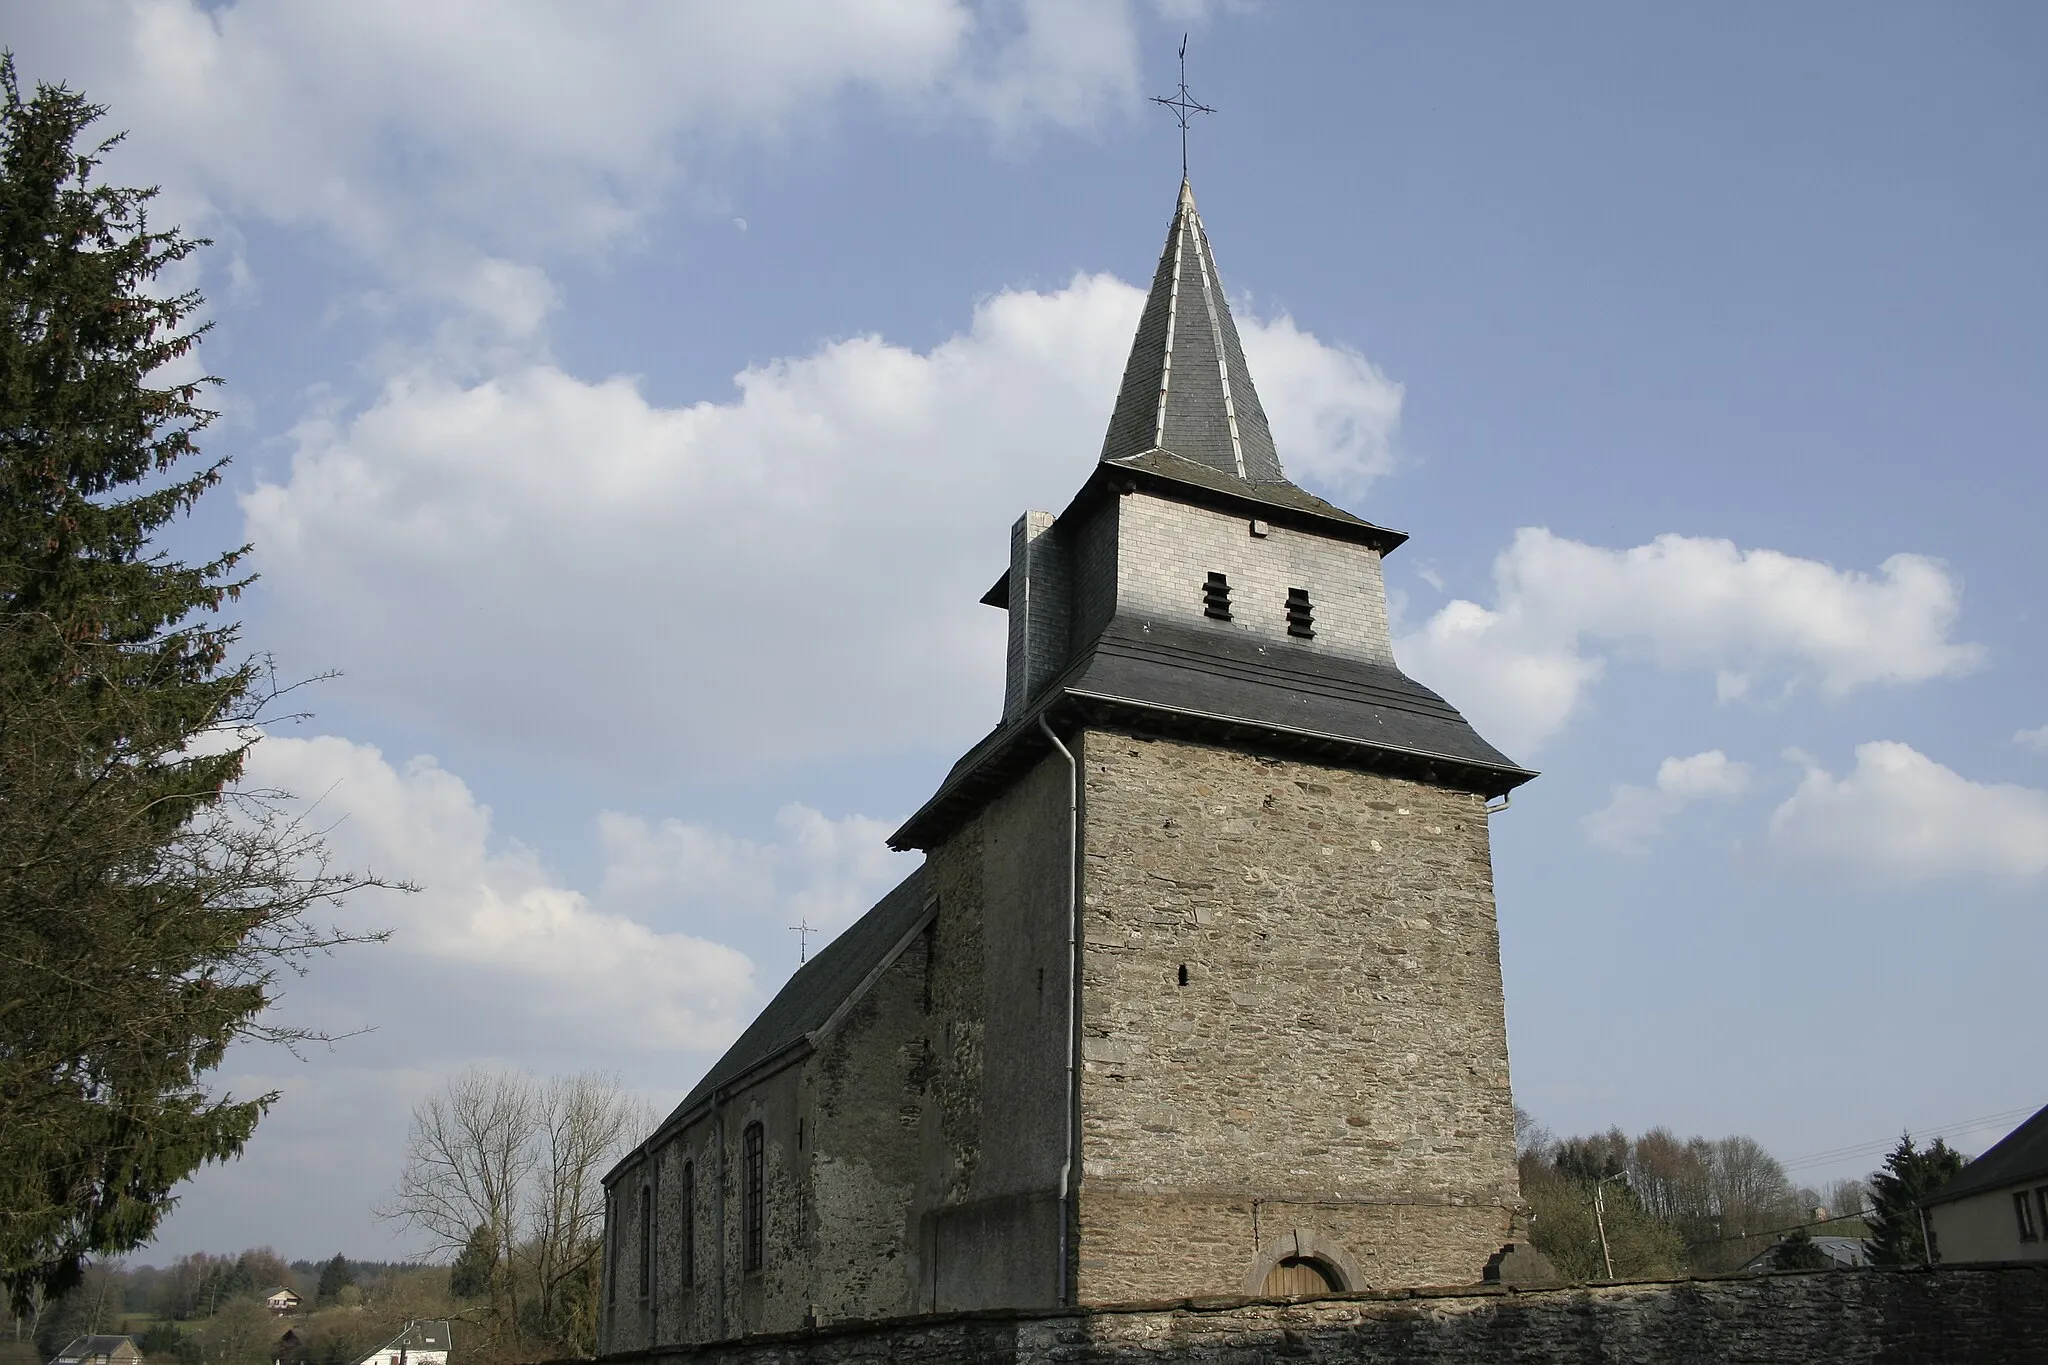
[1600, 1216]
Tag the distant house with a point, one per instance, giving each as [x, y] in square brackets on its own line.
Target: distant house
[1845, 1253]
[281, 1300]
[1996, 1209]
[421, 1343]
[100, 1351]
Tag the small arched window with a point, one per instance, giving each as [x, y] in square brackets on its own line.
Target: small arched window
[1298, 1275]
[646, 1239]
[689, 1221]
[754, 1177]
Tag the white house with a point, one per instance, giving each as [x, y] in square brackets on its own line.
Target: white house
[1996, 1209]
[281, 1300]
[421, 1343]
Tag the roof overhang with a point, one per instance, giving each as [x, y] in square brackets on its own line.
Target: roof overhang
[1013, 750]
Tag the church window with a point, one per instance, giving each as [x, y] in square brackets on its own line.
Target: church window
[646, 1239]
[689, 1228]
[611, 1289]
[1300, 616]
[931, 949]
[2023, 1210]
[1183, 973]
[1216, 597]
[753, 1173]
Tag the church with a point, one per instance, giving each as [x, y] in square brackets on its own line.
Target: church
[1197, 990]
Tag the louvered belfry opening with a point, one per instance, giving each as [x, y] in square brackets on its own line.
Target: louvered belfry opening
[1301, 620]
[1216, 597]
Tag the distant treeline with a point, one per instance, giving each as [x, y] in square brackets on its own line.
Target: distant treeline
[1671, 1205]
[204, 1309]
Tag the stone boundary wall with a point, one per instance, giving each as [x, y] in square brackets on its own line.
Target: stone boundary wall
[1979, 1315]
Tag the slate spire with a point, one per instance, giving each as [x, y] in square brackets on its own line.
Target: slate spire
[1186, 388]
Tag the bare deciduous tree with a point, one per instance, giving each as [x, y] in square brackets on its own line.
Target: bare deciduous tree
[586, 1121]
[468, 1162]
[519, 1161]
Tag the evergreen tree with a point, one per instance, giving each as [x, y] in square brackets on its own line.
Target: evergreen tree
[146, 898]
[1909, 1175]
[476, 1265]
[1798, 1252]
[333, 1276]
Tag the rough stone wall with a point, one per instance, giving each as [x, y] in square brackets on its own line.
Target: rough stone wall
[993, 1128]
[1977, 1316]
[1166, 549]
[625, 1313]
[864, 1107]
[1336, 1062]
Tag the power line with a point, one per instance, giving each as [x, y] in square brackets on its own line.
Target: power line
[1939, 1129]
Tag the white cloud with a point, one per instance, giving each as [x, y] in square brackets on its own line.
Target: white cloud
[1637, 814]
[496, 961]
[1899, 815]
[1521, 667]
[498, 950]
[790, 574]
[515, 125]
[826, 872]
[2035, 739]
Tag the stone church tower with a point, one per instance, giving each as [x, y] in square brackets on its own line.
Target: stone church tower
[1198, 989]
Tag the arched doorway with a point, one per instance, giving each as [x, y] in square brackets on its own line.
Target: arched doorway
[1298, 1275]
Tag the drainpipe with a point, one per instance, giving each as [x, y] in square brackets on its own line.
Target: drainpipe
[1073, 985]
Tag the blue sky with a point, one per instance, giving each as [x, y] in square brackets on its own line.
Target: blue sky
[631, 403]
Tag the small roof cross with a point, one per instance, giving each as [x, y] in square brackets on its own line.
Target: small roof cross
[803, 929]
[1183, 106]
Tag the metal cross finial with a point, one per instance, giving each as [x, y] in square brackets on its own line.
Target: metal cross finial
[1183, 106]
[803, 929]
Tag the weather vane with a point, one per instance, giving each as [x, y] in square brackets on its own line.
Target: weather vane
[803, 931]
[1183, 106]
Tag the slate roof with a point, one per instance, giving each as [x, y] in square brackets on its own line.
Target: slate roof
[92, 1347]
[1186, 388]
[2020, 1155]
[426, 1334]
[809, 999]
[1224, 686]
[1846, 1252]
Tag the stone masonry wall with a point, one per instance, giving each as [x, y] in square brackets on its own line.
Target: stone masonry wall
[1976, 1316]
[994, 1135]
[1335, 1063]
[864, 1092]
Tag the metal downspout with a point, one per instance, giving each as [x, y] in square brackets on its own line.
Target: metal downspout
[1073, 986]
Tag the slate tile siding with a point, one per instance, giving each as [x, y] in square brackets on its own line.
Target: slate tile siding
[1041, 597]
[1340, 1042]
[1166, 551]
[1149, 558]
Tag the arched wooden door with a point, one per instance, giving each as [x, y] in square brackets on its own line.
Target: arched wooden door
[1296, 1275]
